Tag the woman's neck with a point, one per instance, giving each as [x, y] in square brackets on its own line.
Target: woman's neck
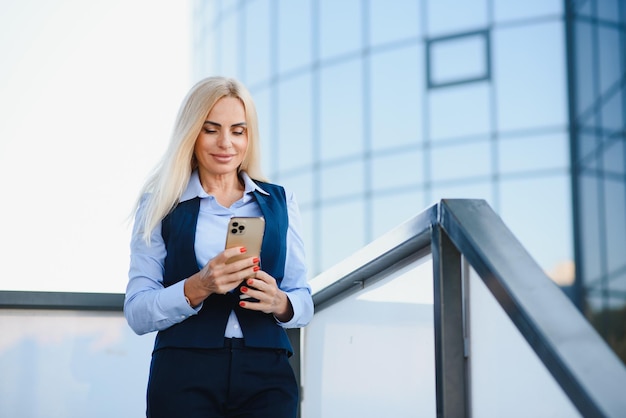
[226, 188]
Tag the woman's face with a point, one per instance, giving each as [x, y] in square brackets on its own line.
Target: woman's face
[223, 139]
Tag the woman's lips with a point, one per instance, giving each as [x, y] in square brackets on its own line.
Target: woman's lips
[222, 158]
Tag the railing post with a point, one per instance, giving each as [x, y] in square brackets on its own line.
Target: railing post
[450, 360]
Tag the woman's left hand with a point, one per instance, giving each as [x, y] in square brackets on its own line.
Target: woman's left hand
[271, 299]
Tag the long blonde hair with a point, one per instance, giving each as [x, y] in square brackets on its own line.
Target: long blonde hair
[169, 179]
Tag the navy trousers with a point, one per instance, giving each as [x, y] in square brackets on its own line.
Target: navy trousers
[229, 382]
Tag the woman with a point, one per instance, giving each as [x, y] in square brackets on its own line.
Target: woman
[216, 353]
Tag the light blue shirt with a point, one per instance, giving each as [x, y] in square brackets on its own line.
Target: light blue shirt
[149, 306]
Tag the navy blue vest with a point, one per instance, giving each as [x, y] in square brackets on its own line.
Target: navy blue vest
[206, 329]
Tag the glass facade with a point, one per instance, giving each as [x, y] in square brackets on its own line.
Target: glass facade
[371, 110]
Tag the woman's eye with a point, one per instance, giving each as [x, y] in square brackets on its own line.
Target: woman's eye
[239, 132]
[209, 131]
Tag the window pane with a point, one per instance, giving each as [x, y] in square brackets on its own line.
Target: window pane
[459, 111]
[585, 74]
[263, 105]
[533, 153]
[458, 59]
[341, 111]
[611, 61]
[610, 10]
[258, 29]
[301, 183]
[343, 231]
[590, 240]
[613, 113]
[466, 190]
[390, 210]
[393, 20]
[295, 130]
[398, 170]
[461, 161]
[294, 34]
[343, 180]
[466, 15]
[340, 32]
[513, 10]
[615, 213]
[228, 61]
[613, 158]
[529, 71]
[538, 212]
[396, 97]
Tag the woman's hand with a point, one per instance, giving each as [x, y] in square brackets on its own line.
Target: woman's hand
[218, 277]
[271, 299]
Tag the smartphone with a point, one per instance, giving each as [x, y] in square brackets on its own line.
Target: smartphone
[245, 232]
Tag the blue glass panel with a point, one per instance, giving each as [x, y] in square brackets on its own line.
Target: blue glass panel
[613, 157]
[460, 111]
[611, 57]
[340, 30]
[294, 34]
[393, 20]
[342, 180]
[538, 212]
[301, 183]
[613, 113]
[262, 101]
[258, 30]
[390, 210]
[229, 53]
[341, 111]
[397, 86]
[461, 161]
[308, 236]
[450, 16]
[463, 190]
[295, 130]
[342, 231]
[529, 71]
[609, 10]
[615, 221]
[590, 240]
[458, 59]
[505, 10]
[402, 169]
[529, 153]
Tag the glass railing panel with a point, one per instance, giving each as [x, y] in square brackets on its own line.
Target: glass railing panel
[507, 377]
[371, 355]
[71, 364]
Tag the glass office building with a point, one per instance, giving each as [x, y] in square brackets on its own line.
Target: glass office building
[372, 110]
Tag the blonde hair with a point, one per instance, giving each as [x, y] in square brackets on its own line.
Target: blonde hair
[169, 179]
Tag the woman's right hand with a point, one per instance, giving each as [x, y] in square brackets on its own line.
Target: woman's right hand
[219, 277]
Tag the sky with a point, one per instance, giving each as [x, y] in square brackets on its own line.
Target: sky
[88, 95]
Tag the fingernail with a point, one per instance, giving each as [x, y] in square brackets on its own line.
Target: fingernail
[256, 268]
[244, 289]
[242, 304]
[255, 260]
[250, 282]
[243, 249]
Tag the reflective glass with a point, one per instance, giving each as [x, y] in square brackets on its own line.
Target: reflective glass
[611, 61]
[71, 364]
[529, 153]
[459, 111]
[538, 212]
[458, 59]
[295, 129]
[308, 236]
[465, 160]
[340, 28]
[529, 71]
[258, 30]
[609, 10]
[590, 239]
[451, 16]
[480, 189]
[301, 183]
[587, 143]
[505, 371]
[393, 20]
[613, 112]
[372, 354]
[294, 34]
[341, 110]
[614, 157]
[399, 170]
[504, 10]
[585, 72]
[392, 209]
[229, 53]
[341, 180]
[615, 221]
[342, 231]
[397, 88]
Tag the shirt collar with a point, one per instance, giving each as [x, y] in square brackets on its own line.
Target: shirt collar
[194, 187]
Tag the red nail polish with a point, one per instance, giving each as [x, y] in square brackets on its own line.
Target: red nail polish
[256, 268]
[255, 260]
[250, 282]
[242, 249]
[244, 289]
[242, 304]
